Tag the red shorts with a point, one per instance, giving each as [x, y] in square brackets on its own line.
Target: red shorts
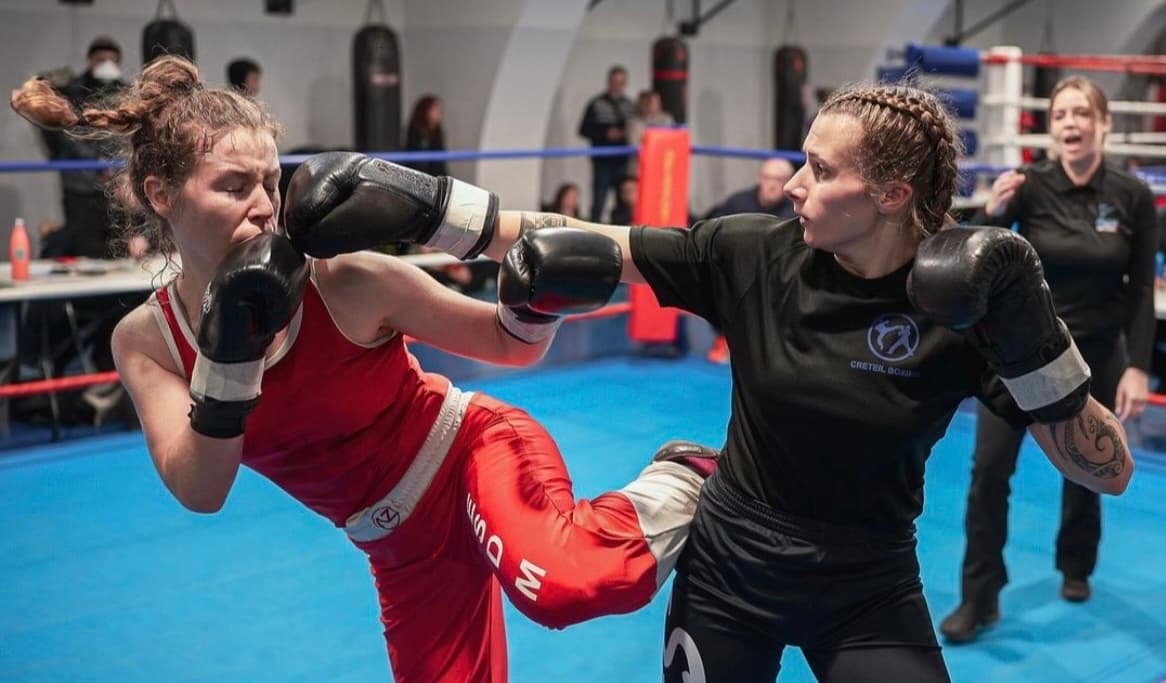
[500, 513]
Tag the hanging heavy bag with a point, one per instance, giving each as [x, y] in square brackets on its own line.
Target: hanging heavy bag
[166, 35]
[790, 68]
[376, 79]
[670, 76]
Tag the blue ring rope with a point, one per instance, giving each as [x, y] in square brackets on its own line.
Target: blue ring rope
[1152, 176]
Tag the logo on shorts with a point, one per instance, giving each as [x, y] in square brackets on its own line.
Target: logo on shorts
[386, 517]
[694, 666]
[893, 337]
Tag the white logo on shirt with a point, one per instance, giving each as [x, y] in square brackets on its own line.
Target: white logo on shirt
[893, 337]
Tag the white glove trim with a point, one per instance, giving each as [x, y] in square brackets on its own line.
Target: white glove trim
[464, 219]
[531, 333]
[1051, 383]
[226, 381]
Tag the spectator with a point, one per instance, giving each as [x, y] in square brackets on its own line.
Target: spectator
[625, 201]
[566, 201]
[425, 134]
[649, 112]
[605, 125]
[767, 196]
[243, 74]
[87, 216]
[87, 232]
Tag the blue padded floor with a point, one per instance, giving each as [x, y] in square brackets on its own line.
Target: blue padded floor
[104, 578]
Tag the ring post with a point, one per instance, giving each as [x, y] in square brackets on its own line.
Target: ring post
[662, 200]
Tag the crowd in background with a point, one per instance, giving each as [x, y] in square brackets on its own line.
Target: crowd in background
[90, 229]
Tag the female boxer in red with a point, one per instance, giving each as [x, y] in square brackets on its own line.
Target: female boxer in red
[297, 368]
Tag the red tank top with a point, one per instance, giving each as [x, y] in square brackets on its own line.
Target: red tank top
[338, 422]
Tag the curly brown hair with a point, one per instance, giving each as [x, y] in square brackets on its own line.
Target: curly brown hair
[165, 121]
[908, 136]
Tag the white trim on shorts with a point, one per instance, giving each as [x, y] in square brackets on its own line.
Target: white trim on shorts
[383, 517]
[664, 497]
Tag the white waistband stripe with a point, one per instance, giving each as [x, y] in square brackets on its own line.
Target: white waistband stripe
[382, 517]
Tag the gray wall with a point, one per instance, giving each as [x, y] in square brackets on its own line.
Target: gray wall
[516, 73]
[305, 60]
[730, 78]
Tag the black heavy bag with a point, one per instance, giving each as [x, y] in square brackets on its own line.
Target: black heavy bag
[376, 78]
[789, 96]
[670, 76]
[166, 36]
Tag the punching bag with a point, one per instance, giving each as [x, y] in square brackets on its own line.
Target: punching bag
[789, 96]
[376, 79]
[166, 36]
[670, 76]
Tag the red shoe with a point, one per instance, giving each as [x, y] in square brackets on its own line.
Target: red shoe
[698, 458]
[719, 353]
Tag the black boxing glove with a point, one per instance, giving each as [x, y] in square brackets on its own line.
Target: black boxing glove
[989, 283]
[255, 291]
[549, 272]
[343, 202]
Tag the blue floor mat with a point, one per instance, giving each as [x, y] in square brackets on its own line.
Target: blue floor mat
[103, 577]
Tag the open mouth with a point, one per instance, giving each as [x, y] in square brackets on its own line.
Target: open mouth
[1072, 139]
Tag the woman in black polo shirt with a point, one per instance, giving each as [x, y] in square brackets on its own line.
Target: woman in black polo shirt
[1095, 230]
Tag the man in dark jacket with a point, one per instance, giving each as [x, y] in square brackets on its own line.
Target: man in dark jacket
[767, 196]
[87, 228]
[54, 331]
[605, 125]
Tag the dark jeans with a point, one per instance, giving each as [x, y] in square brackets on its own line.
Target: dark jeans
[752, 580]
[994, 462]
[606, 172]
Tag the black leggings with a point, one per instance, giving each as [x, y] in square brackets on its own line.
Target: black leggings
[752, 580]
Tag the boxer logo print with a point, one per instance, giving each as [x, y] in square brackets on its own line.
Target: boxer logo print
[892, 338]
[386, 517]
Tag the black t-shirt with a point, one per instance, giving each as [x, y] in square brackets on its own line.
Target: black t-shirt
[1097, 243]
[840, 388]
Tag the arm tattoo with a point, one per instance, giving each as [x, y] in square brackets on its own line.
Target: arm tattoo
[534, 221]
[1104, 458]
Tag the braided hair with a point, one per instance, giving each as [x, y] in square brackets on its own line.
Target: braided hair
[908, 136]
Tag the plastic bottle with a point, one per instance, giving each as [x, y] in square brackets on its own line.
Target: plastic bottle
[18, 251]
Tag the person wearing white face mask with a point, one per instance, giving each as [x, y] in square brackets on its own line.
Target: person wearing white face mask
[86, 232]
[104, 57]
[86, 209]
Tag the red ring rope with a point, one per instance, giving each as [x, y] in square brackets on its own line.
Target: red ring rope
[44, 386]
[1137, 64]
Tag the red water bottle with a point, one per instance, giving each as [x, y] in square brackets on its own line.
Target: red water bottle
[18, 251]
